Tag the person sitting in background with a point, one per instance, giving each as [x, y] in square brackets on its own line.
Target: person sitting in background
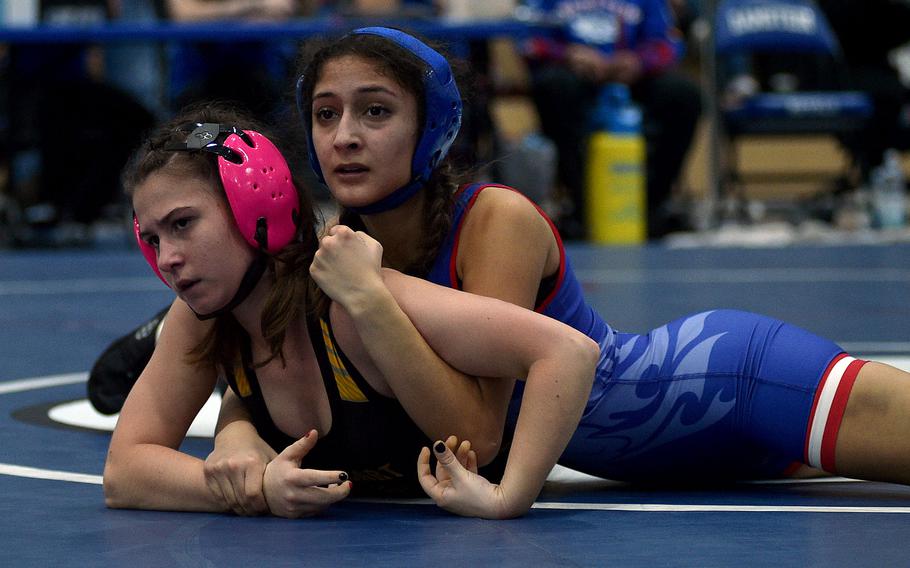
[249, 74]
[868, 31]
[629, 41]
[60, 102]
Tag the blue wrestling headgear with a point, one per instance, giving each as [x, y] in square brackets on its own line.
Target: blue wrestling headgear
[442, 118]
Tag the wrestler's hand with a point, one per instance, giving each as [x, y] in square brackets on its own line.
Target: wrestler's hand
[293, 492]
[234, 471]
[348, 265]
[458, 490]
[463, 453]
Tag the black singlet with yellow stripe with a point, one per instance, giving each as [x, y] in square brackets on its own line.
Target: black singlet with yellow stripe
[372, 438]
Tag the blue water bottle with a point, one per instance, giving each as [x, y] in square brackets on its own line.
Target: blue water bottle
[615, 181]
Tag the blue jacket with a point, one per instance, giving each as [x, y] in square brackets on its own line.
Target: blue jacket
[643, 26]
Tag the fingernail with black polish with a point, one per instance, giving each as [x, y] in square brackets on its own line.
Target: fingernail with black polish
[439, 447]
[342, 477]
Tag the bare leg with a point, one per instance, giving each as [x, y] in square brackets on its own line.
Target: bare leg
[874, 437]
[806, 472]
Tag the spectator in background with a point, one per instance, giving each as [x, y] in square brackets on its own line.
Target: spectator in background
[72, 131]
[253, 75]
[603, 41]
[868, 30]
[138, 67]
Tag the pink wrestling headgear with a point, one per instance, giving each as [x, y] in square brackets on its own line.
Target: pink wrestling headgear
[256, 180]
[259, 189]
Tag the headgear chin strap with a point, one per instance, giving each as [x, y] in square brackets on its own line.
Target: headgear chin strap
[251, 277]
[260, 192]
[443, 118]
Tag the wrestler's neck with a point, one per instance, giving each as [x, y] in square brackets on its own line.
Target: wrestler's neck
[400, 231]
[249, 312]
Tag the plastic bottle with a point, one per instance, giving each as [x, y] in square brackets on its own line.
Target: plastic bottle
[889, 196]
[615, 180]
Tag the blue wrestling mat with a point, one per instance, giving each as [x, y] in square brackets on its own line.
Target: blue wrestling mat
[59, 310]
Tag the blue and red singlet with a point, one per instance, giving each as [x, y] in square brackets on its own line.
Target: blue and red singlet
[719, 394]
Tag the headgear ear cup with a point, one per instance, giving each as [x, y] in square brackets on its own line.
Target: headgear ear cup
[443, 102]
[260, 188]
[148, 251]
[308, 125]
[260, 192]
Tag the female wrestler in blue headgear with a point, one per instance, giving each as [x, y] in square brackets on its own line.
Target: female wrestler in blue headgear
[722, 394]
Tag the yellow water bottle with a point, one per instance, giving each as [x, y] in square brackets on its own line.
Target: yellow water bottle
[615, 178]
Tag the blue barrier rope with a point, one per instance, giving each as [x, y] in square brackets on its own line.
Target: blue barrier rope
[240, 31]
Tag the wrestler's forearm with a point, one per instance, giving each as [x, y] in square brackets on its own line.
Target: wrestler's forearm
[554, 398]
[441, 400]
[147, 476]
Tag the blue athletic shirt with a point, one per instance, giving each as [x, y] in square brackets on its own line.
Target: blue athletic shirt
[644, 26]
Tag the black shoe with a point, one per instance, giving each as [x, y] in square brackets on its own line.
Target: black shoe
[116, 370]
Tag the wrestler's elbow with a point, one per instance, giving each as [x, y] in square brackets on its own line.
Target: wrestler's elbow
[116, 485]
[112, 484]
[588, 353]
[487, 447]
[580, 357]
[580, 352]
